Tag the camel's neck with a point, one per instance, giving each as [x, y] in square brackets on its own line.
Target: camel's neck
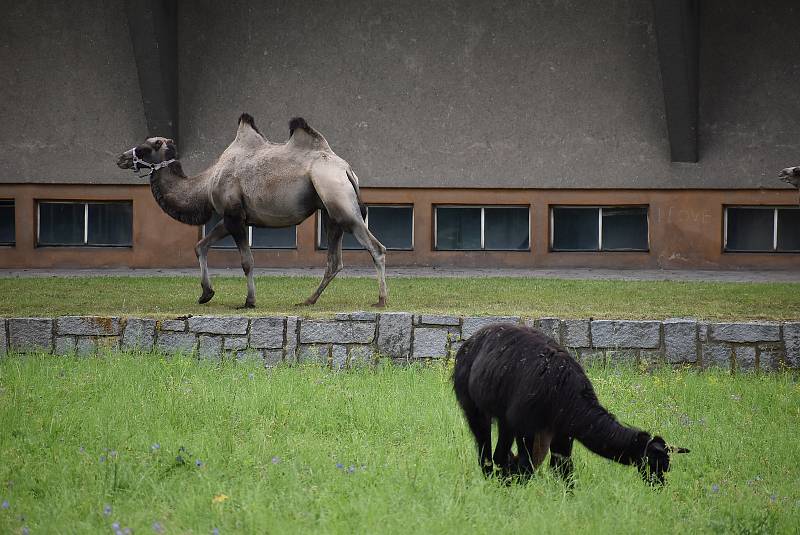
[605, 436]
[182, 198]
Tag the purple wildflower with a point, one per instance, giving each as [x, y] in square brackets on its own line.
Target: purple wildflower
[113, 453]
[340, 466]
[155, 447]
[157, 527]
[102, 458]
[5, 504]
[215, 531]
[25, 530]
[81, 449]
[115, 526]
[251, 375]
[198, 463]
[126, 531]
[715, 488]
[276, 460]
[773, 498]
[351, 469]
[106, 510]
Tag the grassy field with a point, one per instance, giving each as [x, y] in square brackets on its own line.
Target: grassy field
[172, 296]
[86, 443]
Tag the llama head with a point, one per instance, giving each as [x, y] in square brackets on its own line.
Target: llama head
[655, 461]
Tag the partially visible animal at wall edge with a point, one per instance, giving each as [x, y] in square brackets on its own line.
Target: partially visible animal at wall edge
[543, 400]
[264, 184]
[791, 175]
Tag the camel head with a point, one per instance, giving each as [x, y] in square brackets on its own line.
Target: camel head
[154, 151]
[790, 175]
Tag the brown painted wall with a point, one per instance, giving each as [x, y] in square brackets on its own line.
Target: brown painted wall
[686, 228]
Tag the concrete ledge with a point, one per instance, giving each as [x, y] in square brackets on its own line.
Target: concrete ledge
[358, 338]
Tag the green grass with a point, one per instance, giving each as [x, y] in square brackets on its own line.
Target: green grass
[400, 428]
[171, 296]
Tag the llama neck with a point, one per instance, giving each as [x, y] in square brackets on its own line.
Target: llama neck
[605, 436]
[182, 198]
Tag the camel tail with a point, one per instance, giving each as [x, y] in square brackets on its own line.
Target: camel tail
[351, 176]
[247, 119]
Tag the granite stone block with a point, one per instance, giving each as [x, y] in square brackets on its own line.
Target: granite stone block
[30, 334]
[394, 335]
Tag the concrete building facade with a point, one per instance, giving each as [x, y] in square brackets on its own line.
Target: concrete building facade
[632, 133]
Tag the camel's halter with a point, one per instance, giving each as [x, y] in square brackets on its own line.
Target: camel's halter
[138, 162]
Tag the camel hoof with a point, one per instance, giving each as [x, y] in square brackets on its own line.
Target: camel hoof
[380, 304]
[307, 303]
[206, 297]
[247, 304]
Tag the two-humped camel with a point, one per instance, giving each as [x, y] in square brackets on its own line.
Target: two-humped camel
[264, 184]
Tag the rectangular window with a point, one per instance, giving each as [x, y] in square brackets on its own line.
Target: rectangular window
[392, 225]
[257, 237]
[601, 228]
[100, 224]
[762, 229]
[506, 229]
[7, 225]
[476, 228]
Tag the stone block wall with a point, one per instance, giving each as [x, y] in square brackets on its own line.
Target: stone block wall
[360, 338]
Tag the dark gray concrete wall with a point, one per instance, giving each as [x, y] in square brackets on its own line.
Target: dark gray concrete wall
[460, 93]
[749, 89]
[465, 93]
[508, 93]
[69, 95]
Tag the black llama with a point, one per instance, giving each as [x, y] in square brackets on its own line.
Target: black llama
[541, 397]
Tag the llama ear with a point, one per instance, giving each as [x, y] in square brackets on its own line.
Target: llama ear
[676, 449]
[657, 445]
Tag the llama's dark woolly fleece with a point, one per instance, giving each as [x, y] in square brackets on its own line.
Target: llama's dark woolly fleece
[526, 381]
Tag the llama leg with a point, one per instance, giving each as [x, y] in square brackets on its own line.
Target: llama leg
[378, 253]
[502, 451]
[334, 265]
[201, 250]
[524, 465]
[561, 458]
[236, 226]
[481, 427]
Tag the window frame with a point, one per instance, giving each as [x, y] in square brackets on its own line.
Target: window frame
[85, 204]
[13, 222]
[482, 208]
[318, 228]
[774, 209]
[599, 208]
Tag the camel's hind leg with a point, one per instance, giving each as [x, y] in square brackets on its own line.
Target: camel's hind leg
[201, 250]
[236, 226]
[378, 253]
[340, 197]
[334, 265]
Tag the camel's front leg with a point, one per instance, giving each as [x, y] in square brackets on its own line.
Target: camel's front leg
[334, 264]
[201, 250]
[238, 229]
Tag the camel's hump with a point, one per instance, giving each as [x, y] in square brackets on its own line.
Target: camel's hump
[312, 139]
[247, 119]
